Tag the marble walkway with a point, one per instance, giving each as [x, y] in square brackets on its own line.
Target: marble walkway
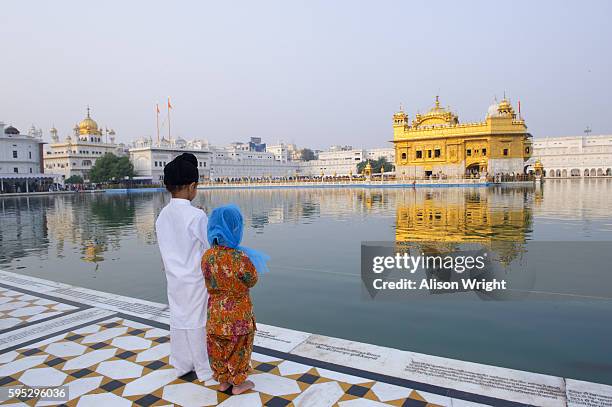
[111, 350]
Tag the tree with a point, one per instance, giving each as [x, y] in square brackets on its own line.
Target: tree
[74, 179]
[376, 165]
[109, 167]
[307, 154]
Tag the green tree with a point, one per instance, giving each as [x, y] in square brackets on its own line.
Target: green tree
[109, 167]
[74, 179]
[307, 154]
[381, 162]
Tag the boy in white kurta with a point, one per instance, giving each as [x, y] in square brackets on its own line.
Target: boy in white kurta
[181, 236]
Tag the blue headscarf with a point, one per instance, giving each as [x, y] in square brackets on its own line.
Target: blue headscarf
[225, 228]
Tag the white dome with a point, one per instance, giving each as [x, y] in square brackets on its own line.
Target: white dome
[493, 110]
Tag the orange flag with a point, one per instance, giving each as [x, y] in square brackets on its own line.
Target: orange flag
[157, 108]
[169, 105]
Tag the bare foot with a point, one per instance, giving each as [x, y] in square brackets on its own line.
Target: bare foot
[224, 386]
[241, 388]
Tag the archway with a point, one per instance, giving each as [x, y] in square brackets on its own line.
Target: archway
[575, 172]
[564, 173]
[609, 172]
[558, 173]
[600, 172]
[586, 173]
[472, 169]
[593, 172]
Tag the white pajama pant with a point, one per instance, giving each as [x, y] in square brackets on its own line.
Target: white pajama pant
[188, 352]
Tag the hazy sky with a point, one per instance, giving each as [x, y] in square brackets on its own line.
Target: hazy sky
[311, 72]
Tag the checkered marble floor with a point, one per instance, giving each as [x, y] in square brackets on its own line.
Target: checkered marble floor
[112, 350]
[120, 362]
[17, 308]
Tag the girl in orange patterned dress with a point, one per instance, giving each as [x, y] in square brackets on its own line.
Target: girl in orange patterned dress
[230, 271]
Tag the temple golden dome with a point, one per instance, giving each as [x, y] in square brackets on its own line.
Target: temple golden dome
[505, 108]
[88, 125]
[538, 165]
[436, 116]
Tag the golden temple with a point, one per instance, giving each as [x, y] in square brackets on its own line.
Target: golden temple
[437, 144]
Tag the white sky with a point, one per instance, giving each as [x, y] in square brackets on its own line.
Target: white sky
[311, 72]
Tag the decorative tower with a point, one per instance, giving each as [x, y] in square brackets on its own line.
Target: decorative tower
[400, 121]
[367, 171]
[54, 136]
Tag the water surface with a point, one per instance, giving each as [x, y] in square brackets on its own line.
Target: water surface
[107, 242]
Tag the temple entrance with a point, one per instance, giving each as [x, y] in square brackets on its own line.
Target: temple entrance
[428, 173]
[472, 169]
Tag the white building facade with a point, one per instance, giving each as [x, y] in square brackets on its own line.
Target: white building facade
[342, 161]
[21, 161]
[386, 152]
[150, 158]
[235, 162]
[280, 151]
[231, 163]
[77, 154]
[574, 157]
[20, 153]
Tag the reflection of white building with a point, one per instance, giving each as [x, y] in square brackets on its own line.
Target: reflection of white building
[77, 154]
[150, 158]
[579, 156]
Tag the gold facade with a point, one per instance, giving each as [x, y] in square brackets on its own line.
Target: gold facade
[436, 143]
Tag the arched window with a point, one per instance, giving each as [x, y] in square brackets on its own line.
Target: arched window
[404, 156]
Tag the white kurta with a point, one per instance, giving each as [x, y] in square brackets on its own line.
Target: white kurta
[181, 236]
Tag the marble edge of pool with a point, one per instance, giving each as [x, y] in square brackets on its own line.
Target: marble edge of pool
[427, 371]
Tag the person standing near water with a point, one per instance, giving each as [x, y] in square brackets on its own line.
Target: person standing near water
[181, 237]
[230, 270]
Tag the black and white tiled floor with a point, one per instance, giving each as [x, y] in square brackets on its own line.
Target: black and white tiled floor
[17, 308]
[113, 351]
[120, 362]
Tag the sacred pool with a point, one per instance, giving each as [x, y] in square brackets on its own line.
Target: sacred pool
[106, 241]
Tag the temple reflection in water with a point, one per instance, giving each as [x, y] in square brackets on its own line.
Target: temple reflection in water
[461, 215]
[91, 225]
[444, 221]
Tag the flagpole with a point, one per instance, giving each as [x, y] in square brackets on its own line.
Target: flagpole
[157, 120]
[169, 138]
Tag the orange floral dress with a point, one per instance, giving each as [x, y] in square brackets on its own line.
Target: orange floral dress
[230, 326]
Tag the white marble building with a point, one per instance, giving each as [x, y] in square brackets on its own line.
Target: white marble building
[218, 163]
[149, 158]
[77, 153]
[234, 163]
[281, 152]
[343, 160]
[386, 152]
[20, 153]
[21, 168]
[573, 157]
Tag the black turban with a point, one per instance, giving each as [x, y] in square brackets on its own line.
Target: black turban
[182, 170]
